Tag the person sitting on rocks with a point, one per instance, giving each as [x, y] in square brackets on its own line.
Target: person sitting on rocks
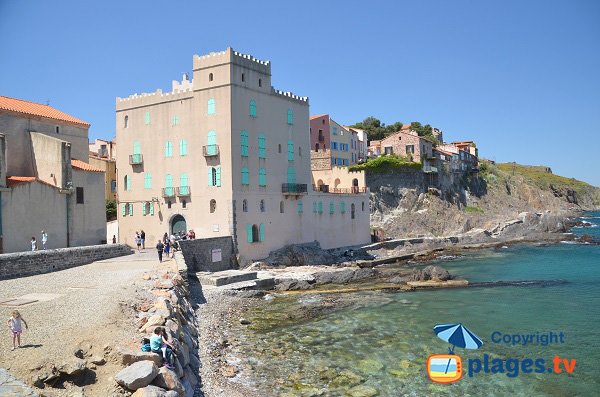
[159, 345]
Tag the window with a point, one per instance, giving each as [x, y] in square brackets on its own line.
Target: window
[169, 185]
[252, 108]
[126, 122]
[183, 204]
[79, 194]
[262, 149]
[147, 180]
[244, 143]
[245, 205]
[144, 208]
[281, 207]
[113, 186]
[123, 209]
[290, 116]
[214, 176]
[261, 232]
[316, 147]
[279, 148]
[183, 184]
[210, 77]
[130, 205]
[299, 151]
[334, 145]
[243, 78]
[211, 147]
[410, 149]
[342, 207]
[291, 175]
[352, 211]
[213, 206]
[211, 107]
[57, 129]
[261, 205]
[245, 176]
[147, 118]
[290, 150]
[175, 120]
[183, 147]
[127, 183]
[389, 150]
[363, 206]
[169, 204]
[262, 177]
[255, 233]
[168, 149]
[334, 130]
[299, 207]
[260, 82]
[331, 207]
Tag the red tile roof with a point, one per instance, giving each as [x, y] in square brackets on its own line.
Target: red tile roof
[36, 109]
[317, 116]
[18, 180]
[80, 165]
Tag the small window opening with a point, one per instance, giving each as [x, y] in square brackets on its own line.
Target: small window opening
[245, 205]
[169, 204]
[260, 82]
[279, 148]
[281, 207]
[126, 122]
[255, 234]
[57, 129]
[210, 77]
[79, 193]
[183, 203]
[299, 151]
[262, 205]
[213, 205]
[243, 78]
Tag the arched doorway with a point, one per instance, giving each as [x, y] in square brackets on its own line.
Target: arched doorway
[354, 186]
[178, 224]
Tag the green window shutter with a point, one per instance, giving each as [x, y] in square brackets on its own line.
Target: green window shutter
[290, 116]
[151, 208]
[210, 176]
[130, 209]
[218, 176]
[262, 177]
[320, 207]
[147, 180]
[262, 146]
[175, 120]
[183, 147]
[261, 232]
[147, 118]
[211, 106]
[342, 207]
[290, 150]
[183, 183]
[168, 149]
[331, 207]
[252, 106]
[211, 148]
[244, 143]
[300, 209]
[249, 232]
[245, 176]
[136, 148]
[144, 209]
[123, 209]
[291, 175]
[169, 185]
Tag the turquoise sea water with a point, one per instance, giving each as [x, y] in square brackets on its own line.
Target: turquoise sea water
[383, 343]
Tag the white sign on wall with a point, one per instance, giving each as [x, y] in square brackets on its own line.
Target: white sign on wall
[216, 255]
[215, 227]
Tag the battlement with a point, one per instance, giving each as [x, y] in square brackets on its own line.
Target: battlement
[251, 58]
[151, 98]
[231, 56]
[290, 95]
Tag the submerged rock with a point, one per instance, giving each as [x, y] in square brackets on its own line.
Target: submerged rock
[430, 272]
[362, 391]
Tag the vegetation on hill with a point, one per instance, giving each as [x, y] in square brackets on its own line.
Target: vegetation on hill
[385, 164]
[377, 130]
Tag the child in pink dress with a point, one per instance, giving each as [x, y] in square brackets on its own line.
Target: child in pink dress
[14, 323]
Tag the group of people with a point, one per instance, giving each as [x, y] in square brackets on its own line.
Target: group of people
[140, 240]
[169, 244]
[34, 246]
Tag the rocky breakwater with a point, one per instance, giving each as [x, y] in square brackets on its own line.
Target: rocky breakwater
[164, 303]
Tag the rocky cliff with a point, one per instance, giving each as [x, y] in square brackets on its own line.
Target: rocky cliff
[407, 203]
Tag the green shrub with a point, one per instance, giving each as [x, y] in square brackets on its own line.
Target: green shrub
[386, 163]
[473, 210]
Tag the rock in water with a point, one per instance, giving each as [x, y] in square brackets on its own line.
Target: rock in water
[363, 391]
[430, 272]
[169, 380]
[137, 375]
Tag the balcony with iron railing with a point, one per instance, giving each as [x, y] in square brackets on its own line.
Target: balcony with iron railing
[135, 159]
[168, 192]
[182, 191]
[210, 150]
[339, 190]
[294, 188]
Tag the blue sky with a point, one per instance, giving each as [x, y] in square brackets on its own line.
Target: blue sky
[521, 78]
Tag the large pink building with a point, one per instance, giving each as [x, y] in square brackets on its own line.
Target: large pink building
[320, 138]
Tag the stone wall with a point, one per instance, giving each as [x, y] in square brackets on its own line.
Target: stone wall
[208, 254]
[21, 264]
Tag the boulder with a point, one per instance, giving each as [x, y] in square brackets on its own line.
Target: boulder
[128, 357]
[172, 326]
[137, 375]
[191, 376]
[194, 362]
[335, 277]
[189, 389]
[185, 354]
[178, 367]
[73, 367]
[430, 272]
[168, 379]
[288, 284]
[150, 391]
[153, 321]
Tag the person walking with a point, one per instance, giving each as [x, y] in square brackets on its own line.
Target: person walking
[114, 239]
[160, 247]
[143, 237]
[138, 241]
[16, 328]
[44, 239]
[33, 244]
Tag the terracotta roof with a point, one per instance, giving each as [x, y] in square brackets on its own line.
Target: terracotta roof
[18, 180]
[37, 109]
[443, 151]
[317, 116]
[80, 165]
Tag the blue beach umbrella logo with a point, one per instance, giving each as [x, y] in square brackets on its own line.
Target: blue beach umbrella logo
[457, 335]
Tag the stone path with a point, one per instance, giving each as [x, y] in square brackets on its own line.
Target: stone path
[12, 387]
[69, 306]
